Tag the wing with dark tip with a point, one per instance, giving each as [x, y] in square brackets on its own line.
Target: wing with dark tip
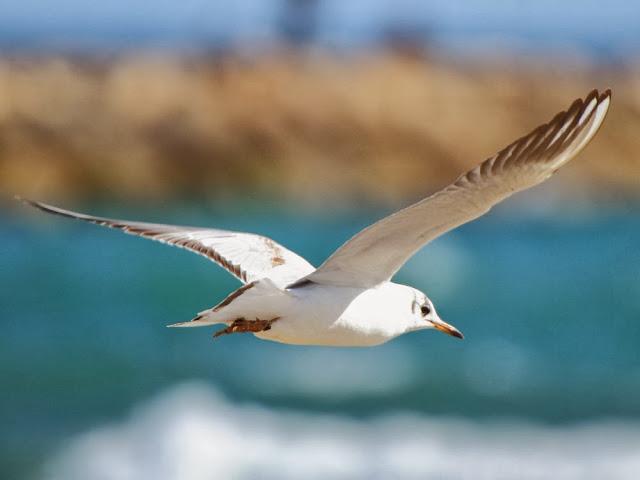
[376, 253]
[247, 256]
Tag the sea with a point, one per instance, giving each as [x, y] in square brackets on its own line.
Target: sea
[546, 383]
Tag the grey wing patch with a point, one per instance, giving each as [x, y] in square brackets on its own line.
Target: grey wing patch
[231, 297]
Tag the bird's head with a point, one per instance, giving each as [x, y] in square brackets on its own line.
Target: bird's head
[425, 316]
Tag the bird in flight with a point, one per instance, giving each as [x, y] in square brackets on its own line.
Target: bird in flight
[350, 299]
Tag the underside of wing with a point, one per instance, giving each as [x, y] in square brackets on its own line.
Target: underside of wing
[376, 253]
[247, 256]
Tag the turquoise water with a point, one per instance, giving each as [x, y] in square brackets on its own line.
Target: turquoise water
[550, 307]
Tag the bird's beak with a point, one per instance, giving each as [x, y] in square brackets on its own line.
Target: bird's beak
[446, 328]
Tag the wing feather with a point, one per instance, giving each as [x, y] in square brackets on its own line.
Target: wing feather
[376, 253]
[246, 256]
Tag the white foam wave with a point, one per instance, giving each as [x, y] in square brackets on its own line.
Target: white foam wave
[193, 433]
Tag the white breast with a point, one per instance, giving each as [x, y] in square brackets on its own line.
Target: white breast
[341, 316]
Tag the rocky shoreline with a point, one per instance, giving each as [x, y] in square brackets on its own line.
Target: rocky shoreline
[290, 124]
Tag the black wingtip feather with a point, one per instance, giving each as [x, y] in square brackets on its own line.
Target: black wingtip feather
[46, 208]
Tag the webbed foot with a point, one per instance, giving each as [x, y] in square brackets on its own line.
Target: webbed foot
[241, 325]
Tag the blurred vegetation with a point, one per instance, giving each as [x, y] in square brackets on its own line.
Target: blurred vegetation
[384, 126]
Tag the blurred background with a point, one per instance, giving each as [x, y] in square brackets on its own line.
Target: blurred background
[305, 120]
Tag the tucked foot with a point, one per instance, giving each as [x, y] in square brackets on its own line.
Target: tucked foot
[243, 325]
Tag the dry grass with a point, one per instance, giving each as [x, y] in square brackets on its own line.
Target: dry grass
[385, 126]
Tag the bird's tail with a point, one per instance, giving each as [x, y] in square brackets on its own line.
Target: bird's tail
[240, 303]
[204, 318]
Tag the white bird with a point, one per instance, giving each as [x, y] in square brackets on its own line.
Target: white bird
[350, 299]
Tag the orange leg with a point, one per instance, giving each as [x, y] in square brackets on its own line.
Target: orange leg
[241, 325]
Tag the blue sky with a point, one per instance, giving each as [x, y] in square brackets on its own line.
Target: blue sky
[595, 27]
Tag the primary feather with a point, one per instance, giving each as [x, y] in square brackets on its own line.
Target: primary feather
[376, 253]
[247, 256]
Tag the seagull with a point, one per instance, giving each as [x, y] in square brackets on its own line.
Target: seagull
[350, 299]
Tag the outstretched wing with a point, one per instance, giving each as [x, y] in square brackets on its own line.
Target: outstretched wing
[376, 253]
[247, 256]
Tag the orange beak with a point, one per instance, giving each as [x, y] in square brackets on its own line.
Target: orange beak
[446, 328]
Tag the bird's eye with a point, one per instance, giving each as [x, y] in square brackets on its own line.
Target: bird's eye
[425, 310]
